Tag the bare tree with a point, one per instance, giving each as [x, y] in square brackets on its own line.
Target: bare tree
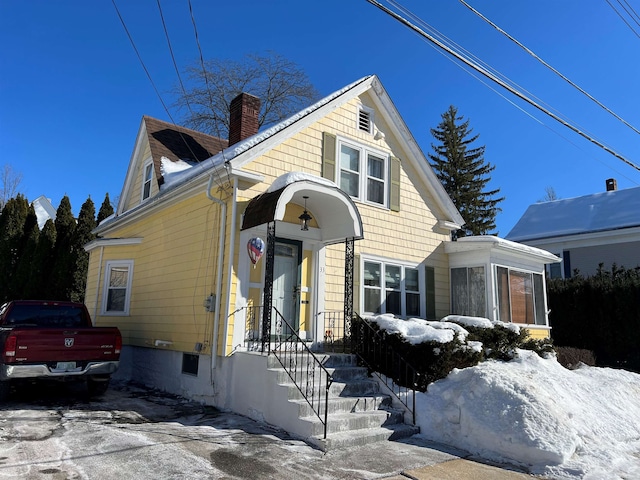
[549, 195]
[279, 83]
[9, 183]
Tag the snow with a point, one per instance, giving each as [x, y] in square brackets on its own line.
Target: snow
[291, 177]
[589, 213]
[532, 412]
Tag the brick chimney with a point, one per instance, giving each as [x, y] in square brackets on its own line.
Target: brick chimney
[612, 184]
[243, 117]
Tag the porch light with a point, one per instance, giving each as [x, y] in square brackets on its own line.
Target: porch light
[305, 217]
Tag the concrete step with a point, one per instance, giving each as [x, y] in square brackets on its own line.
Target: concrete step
[355, 388]
[345, 404]
[346, 439]
[339, 374]
[328, 360]
[352, 422]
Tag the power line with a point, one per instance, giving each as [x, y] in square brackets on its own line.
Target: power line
[173, 58]
[500, 82]
[577, 87]
[622, 17]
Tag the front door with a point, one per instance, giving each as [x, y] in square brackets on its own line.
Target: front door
[286, 281]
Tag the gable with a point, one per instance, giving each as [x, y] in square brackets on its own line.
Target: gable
[159, 146]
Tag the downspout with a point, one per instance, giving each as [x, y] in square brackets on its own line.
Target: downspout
[232, 243]
[223, 226]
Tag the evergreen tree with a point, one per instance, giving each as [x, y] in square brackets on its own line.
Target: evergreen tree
[464, 174]
[12, 222]
[42, 264]
[18, 288]
[83, 235]
[61, 278]
[106, 209]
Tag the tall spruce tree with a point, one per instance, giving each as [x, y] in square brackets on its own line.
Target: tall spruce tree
[19, 286]
[83, 235]
[464, 174]
[12, 222]
[106, 209]
[42, 264]
[61, 277]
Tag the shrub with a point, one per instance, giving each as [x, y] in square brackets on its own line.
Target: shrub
[571, 358]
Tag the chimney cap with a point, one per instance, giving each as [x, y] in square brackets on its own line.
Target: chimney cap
[611, 184]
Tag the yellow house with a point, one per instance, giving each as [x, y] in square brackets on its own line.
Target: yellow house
[217, 247]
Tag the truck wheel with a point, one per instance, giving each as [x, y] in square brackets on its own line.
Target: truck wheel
[97, 386]
[4, 390]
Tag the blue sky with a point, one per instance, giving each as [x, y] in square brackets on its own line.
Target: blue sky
[72, 91]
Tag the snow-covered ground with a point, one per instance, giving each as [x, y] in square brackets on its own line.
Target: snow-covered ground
[531, 411]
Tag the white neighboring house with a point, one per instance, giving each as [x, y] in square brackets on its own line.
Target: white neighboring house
[602, 228]
[44, 210]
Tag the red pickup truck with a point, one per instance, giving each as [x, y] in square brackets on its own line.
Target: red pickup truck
[43, 340]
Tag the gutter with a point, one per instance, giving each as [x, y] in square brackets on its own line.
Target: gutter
[219, 267]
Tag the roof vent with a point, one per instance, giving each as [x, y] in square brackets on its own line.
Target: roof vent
[612, 184]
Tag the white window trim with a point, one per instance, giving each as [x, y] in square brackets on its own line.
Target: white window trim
[105, 291]
[148, 163]
[400, 263]
[364, 151]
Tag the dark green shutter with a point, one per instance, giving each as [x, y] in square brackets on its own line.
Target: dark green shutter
[329, 156]
[394, 186]
[430, 291]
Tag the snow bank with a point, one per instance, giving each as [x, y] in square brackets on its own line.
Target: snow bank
[416, 330]
[534, 412]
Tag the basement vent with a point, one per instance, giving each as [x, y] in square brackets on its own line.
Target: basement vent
[364, 120]
[190, 364]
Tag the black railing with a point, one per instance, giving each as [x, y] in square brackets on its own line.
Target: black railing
[304, 368]
[337, 332]
[374, 351]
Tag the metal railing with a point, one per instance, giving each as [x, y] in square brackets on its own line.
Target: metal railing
[374, 351]
[337, 332]
[304, 368]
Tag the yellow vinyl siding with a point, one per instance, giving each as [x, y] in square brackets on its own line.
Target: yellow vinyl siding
[537, 333]
[174, 271]
[135, 193]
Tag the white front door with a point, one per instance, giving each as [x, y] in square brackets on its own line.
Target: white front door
[286, 282]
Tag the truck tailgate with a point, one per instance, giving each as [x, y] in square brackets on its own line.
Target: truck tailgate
[66, 345]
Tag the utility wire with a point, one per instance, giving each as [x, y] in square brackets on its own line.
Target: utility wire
[500, 82]
[574, 85]
[140, 60]
[173, 58]
[195, 158]
[623, 19]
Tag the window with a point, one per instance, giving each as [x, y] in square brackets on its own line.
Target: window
[117, 288]
[520, 296]
[146, 180]
[468, 291]
[364, 173]
[390, 288]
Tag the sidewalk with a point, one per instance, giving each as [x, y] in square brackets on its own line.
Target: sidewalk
[460, 469]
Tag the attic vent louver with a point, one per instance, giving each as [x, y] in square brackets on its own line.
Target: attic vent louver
[364, 121]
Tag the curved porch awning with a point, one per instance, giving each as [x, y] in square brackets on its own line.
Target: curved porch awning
[334, 210]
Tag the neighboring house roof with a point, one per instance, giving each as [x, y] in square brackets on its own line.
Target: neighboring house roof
[230, 161]
[598, 212]
[44, 210]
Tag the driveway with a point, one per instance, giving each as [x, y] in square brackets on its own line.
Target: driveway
[136, 433]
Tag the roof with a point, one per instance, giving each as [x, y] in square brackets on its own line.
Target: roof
[490, 242]
[179, 143]
[598, 212]
[232, 159]
[44, 210]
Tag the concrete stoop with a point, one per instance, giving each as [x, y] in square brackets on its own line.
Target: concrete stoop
[358, 414]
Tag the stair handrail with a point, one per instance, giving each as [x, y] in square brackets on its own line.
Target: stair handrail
[288, 358]
[369, 354]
